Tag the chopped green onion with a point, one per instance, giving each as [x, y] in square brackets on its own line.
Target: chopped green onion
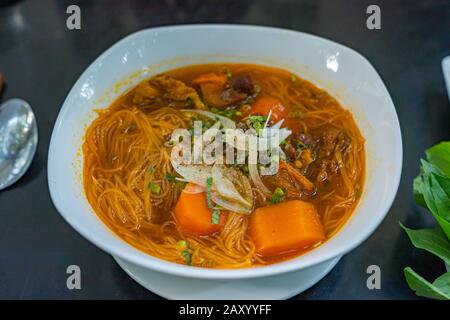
[173, 179]
[170, 178]
[209, 183]
[257, 118]
[154, 188]
[215, 216]
[238, 113]
[187, 255]
[183, 244]
[151, 169]
[257, 88]
[246, 107]
[293, 78]
[277, 195]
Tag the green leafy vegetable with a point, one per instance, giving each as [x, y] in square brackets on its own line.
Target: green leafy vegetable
[209, 183]
[154, 188]
[432, 240]
[215, 216]
[151, 169]
[431, 189]
[439, 156]
[439, 289]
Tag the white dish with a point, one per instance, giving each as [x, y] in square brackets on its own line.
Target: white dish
[446, 71]
[282, 286]
[341, 71]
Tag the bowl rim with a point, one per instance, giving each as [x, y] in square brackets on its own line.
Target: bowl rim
[160, 265]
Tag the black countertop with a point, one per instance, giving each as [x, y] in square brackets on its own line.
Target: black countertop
[41, 60]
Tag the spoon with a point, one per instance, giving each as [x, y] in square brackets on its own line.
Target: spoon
[18, 140]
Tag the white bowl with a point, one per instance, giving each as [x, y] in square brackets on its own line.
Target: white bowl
[341, 71]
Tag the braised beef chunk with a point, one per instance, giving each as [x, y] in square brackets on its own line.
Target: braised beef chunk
[145, 94]
[314, 154]
[218, 96]
[243, 83]
[222, 94]
[294, 184]
[178, 91]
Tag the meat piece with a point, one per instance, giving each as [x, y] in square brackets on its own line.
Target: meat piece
[291, 180]
[178, 91]
[301, 179]
[221, 94]
[145, 94]
[243, 84]
[329, 140]
[306, 139]
[333, 144]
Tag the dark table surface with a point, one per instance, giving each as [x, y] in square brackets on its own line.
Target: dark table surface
[41, 60]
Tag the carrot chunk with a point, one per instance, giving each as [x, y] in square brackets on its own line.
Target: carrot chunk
[192, 215]
[219, 79]
[285, 227]
[263, 105]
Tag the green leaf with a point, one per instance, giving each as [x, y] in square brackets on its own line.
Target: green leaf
[439, 155]
[443, 283]
[445, 225]
[437, 290]
[436, 198]
[441, 198]
[432, 240]
[417, 191]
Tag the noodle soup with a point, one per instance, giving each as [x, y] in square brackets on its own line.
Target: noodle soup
[224, 215]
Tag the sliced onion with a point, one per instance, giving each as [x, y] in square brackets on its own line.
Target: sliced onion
[229, 204]
[226, 122]
[193, 173]
[225, 187]
[254, 175]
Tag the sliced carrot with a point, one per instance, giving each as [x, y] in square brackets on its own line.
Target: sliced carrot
[263, 105]
[192, 215]
[220, 79]
[285, 227]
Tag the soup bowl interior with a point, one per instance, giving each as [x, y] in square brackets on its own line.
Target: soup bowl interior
[342, 72]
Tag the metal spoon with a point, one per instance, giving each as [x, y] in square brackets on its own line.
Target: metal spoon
[18, 140]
